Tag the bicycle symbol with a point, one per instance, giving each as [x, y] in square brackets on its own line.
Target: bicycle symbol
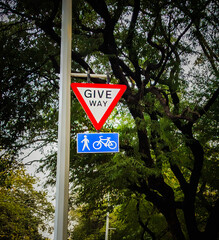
[106, 142]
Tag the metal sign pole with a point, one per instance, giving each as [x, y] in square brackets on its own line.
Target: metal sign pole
[107, 221]
[62, 179]
[107, 226]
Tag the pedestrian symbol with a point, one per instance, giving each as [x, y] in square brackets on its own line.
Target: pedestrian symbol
[97, 142]
[85, 141]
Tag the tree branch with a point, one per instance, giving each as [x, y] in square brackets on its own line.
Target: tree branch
[101, 8]
[130, 35]
[211, 229]
[129, 43]
[87, 29]
[207, 106]
[175, 169]
[164, 103]
[158, 47]
[144, 226]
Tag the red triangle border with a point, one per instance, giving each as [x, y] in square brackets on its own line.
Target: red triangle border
[98, 126]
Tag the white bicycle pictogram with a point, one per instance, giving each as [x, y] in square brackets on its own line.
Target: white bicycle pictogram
[106, 142]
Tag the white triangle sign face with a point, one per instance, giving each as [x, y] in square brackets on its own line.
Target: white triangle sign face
[98, 100]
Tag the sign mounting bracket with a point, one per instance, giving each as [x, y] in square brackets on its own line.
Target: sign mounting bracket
[91, 75]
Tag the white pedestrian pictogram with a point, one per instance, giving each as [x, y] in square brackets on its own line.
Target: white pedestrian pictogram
[106, 142]
[85, 141]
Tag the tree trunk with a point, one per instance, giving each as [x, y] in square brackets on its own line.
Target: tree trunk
[173, 222]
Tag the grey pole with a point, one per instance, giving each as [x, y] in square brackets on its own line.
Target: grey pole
[107, 222]
[62, 179]
[107, 226]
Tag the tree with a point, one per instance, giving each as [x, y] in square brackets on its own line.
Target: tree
[132, 219]
[88, 224]
[166, 53]
[24, 211]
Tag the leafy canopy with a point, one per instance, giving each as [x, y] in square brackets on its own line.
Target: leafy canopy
[24, 211]
[166, 53]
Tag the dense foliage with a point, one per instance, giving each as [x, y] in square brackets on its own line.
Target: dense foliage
[24, 211]
[166, 52]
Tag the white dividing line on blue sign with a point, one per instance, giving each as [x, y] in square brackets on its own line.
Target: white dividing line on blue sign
[97, 142]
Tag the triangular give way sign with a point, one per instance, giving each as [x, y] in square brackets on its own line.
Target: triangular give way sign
[98, 100]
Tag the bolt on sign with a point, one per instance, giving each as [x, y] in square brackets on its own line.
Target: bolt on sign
[98, 100]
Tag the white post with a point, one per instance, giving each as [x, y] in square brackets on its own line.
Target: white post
[107, 222]
[107, 226]
[62, 179]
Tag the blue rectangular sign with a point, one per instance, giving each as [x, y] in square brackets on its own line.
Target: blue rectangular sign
[97, 142]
